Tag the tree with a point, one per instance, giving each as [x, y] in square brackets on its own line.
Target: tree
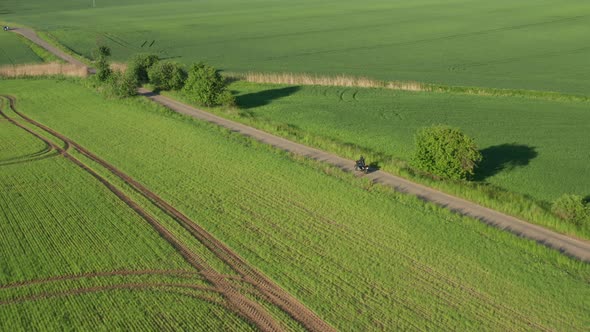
[139, 65]
[166, 75]
[103, 69]
[205, 85]
[446, 152]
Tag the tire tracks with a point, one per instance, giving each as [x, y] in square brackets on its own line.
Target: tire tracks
[126, 286]
[98, 274]
[244, 306]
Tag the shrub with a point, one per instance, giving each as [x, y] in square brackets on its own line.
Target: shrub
[167, 75]
[571, 208]
[103, 69]
[121, 85]
[226, 98]
[205, 85]
[446, 152]
[139, 66]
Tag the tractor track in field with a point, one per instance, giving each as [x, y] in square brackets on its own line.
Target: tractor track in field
[67, 277]
[239, 303]
[236, 301]
[126, 286]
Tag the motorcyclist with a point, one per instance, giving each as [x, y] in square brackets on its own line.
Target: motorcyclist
[361, 162]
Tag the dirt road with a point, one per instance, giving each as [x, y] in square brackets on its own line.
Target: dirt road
[573, 247]
[32, 36]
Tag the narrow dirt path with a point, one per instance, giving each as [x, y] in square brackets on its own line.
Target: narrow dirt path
[32, 36]
[573, 247]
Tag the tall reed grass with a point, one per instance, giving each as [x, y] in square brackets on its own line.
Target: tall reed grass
[364, 82]
[339, 80]
[43, 69]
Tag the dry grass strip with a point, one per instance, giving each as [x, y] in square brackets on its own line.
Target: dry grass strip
[340, 80]
[43, 69]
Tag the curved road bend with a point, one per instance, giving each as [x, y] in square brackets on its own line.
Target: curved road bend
[32, 36]
[571, 246]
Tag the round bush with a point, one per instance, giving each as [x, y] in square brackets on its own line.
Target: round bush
[446, 152]
[205, 85]
[167, 75]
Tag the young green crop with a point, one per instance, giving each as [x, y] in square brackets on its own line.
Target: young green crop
[501, 43]
[73, 253]
[57, 220]
[14, 52]
[362, 257]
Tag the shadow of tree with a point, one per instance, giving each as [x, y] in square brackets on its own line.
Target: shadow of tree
[261, 98]
[503, 157]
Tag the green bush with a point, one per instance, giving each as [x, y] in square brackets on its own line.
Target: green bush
[446, 152]
[120, 85]
[571, 208]
[226, 98]
[167, 75]
[139, 66]
[205, 85]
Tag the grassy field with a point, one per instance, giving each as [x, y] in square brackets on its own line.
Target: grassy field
[522, 140]
[528, 44]
[75, 255]
[13, 51]
[362, 257]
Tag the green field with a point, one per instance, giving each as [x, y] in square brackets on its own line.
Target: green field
[362, 257]
[63, 232]
[523, 140]
[13, 51]
[529, 44]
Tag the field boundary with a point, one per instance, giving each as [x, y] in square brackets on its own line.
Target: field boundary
[415, 86]
[43, 69]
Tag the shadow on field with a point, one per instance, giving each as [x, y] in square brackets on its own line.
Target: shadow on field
[261, 98]
[503, 157]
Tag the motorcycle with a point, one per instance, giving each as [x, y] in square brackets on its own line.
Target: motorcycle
[361, 166]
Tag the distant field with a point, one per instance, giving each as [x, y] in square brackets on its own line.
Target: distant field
[534, 147]
[13, 51]
[527, 44]
[363, 258]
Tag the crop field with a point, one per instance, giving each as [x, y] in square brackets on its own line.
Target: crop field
[74, 254]
[522, 139]
[527, 44]
[13, 51]
[360, 256]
